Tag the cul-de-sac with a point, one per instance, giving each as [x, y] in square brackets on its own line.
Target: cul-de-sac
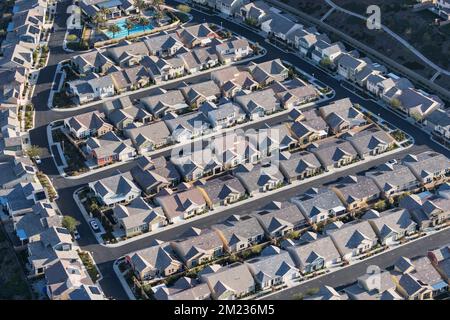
[224, 150]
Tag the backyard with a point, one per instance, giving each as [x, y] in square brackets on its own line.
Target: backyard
[75, 160]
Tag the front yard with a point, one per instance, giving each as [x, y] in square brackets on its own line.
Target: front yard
[90, 265]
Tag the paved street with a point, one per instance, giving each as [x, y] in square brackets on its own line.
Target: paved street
[104, 256]
[348, 275]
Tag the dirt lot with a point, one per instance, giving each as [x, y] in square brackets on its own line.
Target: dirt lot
[315, 8]
[12, 282]
[415, 27]
[379, 40]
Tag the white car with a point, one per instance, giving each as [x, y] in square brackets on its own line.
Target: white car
[76, 235]
[94, 225]
[37, 159]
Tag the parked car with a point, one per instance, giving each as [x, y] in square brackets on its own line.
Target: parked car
[94, 226]
[76, 235]
[37, 159]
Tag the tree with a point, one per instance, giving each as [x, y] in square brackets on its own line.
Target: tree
[184, 8]
[70, 223]
[114, 29]
[34, 151]
[380, 205]
[98, 19]
[416, 116]
[144, 22]
[72, 38]
[140, 5]
[326, 62]
[395, 103]
[129, 25]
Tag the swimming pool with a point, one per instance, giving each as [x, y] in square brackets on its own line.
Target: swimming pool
[123, 29]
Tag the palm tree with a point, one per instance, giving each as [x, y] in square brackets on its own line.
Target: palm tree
[140, 5]
[129, 25]
[144, 22]
[158, 4]
[104, 12]
[114, 29]
[98, 19]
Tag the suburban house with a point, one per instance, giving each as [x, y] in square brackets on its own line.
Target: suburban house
[268, 72]
[91, 62]
[164, 45]
[196, 35]
[183, 289]
[127, 54]
[198, 249]
[199, 59]
[182, 205]
[115, 189]
[295, 92]
[440, 259]
[300, 165]
[240, 233]
[228, 7]
[371, 141]
[438, 121]
[223, 115]
[429, 167]
[196, 94]
[393, 225]
[354, 239]
[187, 126]
[315, 255]
[20, 198]
[427, 210]
[309, 126]
[258, 178]
[156, 261]
[87, 124]
[349, 66]
[334, 153]
[374, 286]
[273, 270]
[324, 51]
[197, 164]
[222, 190]
[254, 13]
[341, 115]
[231, 81]
[231, 282]
[153, 175]
[411, 288]
[94, 88]
[167, 101]
[138, 217]
[393, 179]
[162, 69]
[109, 148]
[259, 103]
[327, 293]
[280, 221]
[417, 103]
[318, 207]
[234, 49]
[149, 137]
[357, 192]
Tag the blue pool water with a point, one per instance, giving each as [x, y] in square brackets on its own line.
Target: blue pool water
[124, 32]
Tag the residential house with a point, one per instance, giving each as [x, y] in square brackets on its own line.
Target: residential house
[279, 26]
[309, 127]
[183, 289]
[188, 126]
[149, 137]
[374, 286]
[127, 54]
[164, 45]
[371, 142]
[327, 293]
[324, 51]
[429, 167]
[87, 125]
[354, 239]
[295, 92]
[280, 221]
[223, 115]
[138, 217]
[230, 283]
[234, 49]
[109, 148]
[153, 175]
[300, 165]
[315, 255]
[254, 13]
[222, 190]
[161, 69]
[268, 72]
[440, 259]
[341, 115]
[118, 188]
[240, 232]
[259, 103]
[91, 62]
[198, 93]
[201, 248]
[167, 101]
[197, 164]
[357, 192]
[229, 7]
[393, 225]
[438, 121]
[274, 270]
[196, 35]
[393, 179]
[334, 153]
[182, 205]
[318, 207]
[258, 178]
[156, 261]
[20, 198]
[231, 81]
[349, 66]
